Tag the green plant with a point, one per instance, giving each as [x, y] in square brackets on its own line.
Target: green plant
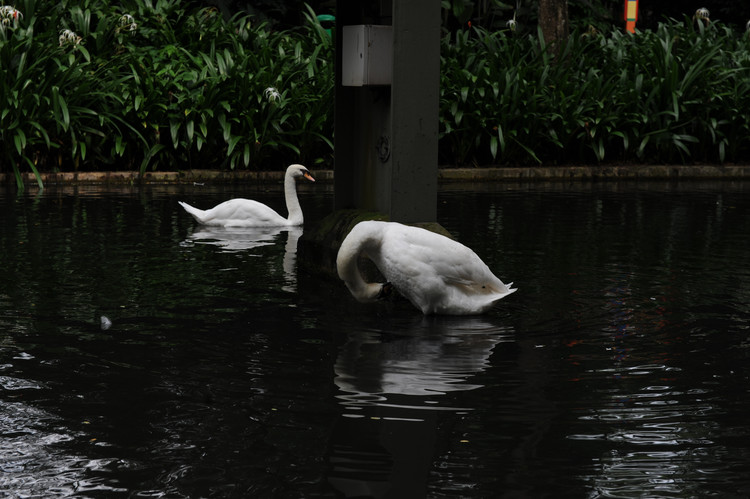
[676, 94]
[149, 84]
[156, 84]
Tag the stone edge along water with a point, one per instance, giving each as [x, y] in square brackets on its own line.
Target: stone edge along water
[445, 175]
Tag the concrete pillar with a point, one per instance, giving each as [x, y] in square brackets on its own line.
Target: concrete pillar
[386, 135]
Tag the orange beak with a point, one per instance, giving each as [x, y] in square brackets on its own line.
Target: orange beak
[308, 176]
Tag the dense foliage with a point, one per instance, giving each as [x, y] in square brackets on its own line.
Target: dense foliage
[95, 86]
[143, 84]
[676, 94]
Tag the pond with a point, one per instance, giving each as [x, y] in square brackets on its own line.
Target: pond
[144, 356]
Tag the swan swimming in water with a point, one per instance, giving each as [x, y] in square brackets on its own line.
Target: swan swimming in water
[436, 274]
[241, 212]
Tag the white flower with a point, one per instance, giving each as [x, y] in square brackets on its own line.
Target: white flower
[271, 94]
[8, 12]
[127, 23]
[9, 16]
[68, 37]
[702, 14]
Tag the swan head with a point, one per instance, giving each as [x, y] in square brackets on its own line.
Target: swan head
[296, 171]
[369, 292]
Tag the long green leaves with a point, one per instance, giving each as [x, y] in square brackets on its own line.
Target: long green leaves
[672, 95]
[86, 85]
[148, 84]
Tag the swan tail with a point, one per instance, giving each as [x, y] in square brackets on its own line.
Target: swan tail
[197, 214]
[505, 290]
[502, 292]
[498, 295]
[498, 290]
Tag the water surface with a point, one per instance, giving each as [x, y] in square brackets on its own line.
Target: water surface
[225, 369]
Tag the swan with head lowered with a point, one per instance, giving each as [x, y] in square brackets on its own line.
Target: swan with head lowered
[241, 212]
[435, 273]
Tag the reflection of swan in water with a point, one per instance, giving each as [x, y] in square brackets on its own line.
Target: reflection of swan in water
[239, 239]
[394, 390]
[290, 259]
[232, 239]
[437, 357]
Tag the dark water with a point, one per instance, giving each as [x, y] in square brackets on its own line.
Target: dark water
[619, 369]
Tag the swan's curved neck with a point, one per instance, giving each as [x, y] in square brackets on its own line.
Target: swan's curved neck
[292, 203]
[348, 268]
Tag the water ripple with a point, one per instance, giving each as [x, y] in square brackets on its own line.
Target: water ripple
[33, 462]
[9, 383]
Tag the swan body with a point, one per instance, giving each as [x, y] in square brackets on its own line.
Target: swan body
[436, 274]
[241, 212]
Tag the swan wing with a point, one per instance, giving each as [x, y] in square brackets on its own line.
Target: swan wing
[438, 274]
[417, 251]
[239, 212]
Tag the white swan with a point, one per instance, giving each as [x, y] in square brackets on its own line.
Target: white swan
[436, 274]
[241, 212]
